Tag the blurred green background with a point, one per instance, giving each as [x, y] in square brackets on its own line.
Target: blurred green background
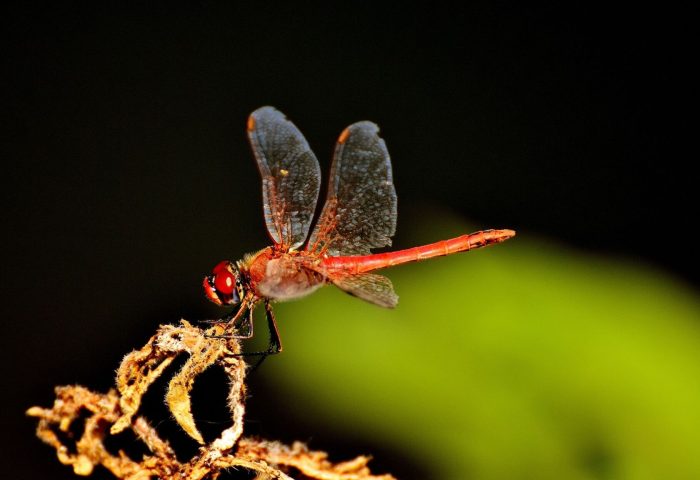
[524, 360]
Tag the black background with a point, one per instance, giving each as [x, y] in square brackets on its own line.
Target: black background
[127, 175]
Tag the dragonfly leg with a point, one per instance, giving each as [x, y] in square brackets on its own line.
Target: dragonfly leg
[233, 315]
[243, 328]
[241, 321]
[275, 345]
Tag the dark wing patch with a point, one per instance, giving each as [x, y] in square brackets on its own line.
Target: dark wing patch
[290, 174]
[360, 209]
[371, 287]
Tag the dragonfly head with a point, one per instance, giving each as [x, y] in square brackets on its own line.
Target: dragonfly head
[224, 286]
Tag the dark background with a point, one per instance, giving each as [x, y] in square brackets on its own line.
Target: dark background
[127, 174]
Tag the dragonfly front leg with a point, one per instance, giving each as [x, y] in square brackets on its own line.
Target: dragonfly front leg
[275, 344]
[241, 322]
[243, 326]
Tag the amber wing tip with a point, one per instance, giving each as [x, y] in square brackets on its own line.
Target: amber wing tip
[344, 135]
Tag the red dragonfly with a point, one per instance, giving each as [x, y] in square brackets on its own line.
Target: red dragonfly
[359, 215]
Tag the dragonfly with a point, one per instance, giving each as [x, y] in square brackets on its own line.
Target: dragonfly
[359, 214]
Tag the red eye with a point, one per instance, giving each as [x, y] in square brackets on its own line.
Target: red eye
[224, 281]
[221, 267]
[221, 287]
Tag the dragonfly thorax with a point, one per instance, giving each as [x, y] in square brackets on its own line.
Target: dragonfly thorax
[280, 275]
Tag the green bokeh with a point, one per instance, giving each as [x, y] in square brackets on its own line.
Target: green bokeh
[521, 361]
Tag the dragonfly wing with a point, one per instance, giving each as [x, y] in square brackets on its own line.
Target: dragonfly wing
[371, 287]
[290, 174]
[360, 209]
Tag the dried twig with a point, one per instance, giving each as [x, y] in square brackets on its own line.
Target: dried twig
[110, 413]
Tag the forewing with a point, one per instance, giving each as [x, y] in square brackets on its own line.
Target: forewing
[371, 287]
[360, 209]
[290, 174]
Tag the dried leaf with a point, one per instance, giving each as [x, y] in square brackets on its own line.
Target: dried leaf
[204, 354]
[137, 372]
[111, 413]
[313, 464]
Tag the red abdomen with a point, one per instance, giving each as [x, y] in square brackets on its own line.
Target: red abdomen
[367, 263]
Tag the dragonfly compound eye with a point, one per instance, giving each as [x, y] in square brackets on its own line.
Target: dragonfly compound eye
[221, 286]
